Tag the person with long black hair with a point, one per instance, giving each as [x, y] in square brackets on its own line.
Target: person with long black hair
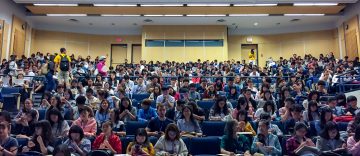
[312, 113]
[353, 142]
[171, 143]
[330, 139]
[127, 111]
[103, 114]
[188, 125]
[25, 127]
[41, 140]
[107, 139]
[77, 143]
[326, 115]
[60, 127]
[141, 144]
[219, 110]
[231, 143]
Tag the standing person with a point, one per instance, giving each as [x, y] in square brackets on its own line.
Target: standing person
[62, 61]
[49, 71]
[252, 57]
[101, 68]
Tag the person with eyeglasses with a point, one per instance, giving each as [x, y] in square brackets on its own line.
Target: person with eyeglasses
[8, 145]
[171, 143]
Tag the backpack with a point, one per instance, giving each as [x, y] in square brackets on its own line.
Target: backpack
[64, 63]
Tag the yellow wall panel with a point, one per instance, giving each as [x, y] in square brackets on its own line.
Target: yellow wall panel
[194, 53]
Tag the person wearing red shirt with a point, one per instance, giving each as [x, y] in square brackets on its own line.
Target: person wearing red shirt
[108, 140]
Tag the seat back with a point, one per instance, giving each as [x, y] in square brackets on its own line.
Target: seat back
[205, 145]
[132, 126]
[140, 97]
[125, 142]
[10, 90]
[42, 113]
[342, 126]
[213, 128]
[100, 153]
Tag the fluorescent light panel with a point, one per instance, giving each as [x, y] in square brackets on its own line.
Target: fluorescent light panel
[154, 15]
[116, 15]
[210, 15]
[55, 4]
[115, 5]
[66, 15]
[304, 14]
[204, 5]
[249, 5]
[161, 5]
[315, 4]
[245, 15]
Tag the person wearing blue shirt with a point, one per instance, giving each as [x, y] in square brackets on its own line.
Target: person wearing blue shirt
[338, 111]
[146, 112]
[103, 114]
[266, 143]
[230, 84]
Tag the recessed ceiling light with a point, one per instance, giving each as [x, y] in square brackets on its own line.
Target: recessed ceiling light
[205, 5]
[115, 5]
[55, 4]
[256, 24]
[90, 23]
[249, 5]
[244, 15]
[304, 14]
[112, 23]
[162, 5]
[315, 4]
[148, 21]
[66, 15]
[221, 20]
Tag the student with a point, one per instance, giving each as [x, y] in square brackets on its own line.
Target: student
[62, 62]
[41, 140]
[175, 113]
[9, 145]
[312, 113]
[171, 143]
[268, 107]
[61, 150]
[165, 98]
[87, 122]
[77, 143]
[330, 139]
[187, 124]
[146, 112]
[157, 125]
[141, 144]
[352, 125]
[273, 128]
[231, 143]
[219, 110]
[296, 116]
[118, 125]
[25, 128]
[80, 103]
[60, 127]
[353, 142]
[244, 124]
[332, 104]
[28, 105]
[103, 114]
[352, 108]
[325, 116]
[298, 140]
[266, 143]
[198, 112]
[127, 111]
[107, 139]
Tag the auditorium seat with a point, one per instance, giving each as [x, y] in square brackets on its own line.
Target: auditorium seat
[132, 126]
[42, 113]
[140, 97]
[342, 126]
[125, 142]
[22, 142]
[205, 145]
[213, 128]
[100, 153]
[10, 97]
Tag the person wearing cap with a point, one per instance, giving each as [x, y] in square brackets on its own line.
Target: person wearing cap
[165, 98]
[101, 66]
[63, 76]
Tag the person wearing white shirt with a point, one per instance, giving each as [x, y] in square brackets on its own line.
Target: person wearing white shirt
[165, 98]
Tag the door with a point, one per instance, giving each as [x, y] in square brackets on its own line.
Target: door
[136, 53]
[351, 29]
[19, 43]
[118, 54]
[1, 36]
[247, 55]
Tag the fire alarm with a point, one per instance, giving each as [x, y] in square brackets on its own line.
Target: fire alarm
[119, 39]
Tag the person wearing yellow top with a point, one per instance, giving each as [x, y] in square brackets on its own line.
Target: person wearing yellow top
[252, 57]
[141, 146]
[63, 67]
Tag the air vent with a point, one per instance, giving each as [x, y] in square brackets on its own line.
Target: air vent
[295, 20]
[221, 20]
[73, 20]
[148, 21]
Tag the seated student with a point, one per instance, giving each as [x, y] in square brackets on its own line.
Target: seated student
[41, 140]
[273, 128]
[80, 103]
[25, 128]
[298, 140]
[325, 116]
[353, 142]
[352, 108]
[219, 110]
[332, 104]
[312, 113]
[141, 144]
[165, 98]
[127, 111]
[5, 116]
[296, 116]
[269, 107]
[155, 92]
[77, 143]
[28, 105]
[193, 94]
[175, 113]
[244, 124]
[9, 145]
[198, 112]
[107, 139]
[118, 125]
[266, 143]
[284, 112]
[103, 114]
[231, 143]
[157, 125]
[330, 139]
[352, 125]
[87, 122]
[210, 92]
[55, 103]
[233, 94]
[187, 125]
[313, 96]
[59, 126]
[146, 112]
[171, 143]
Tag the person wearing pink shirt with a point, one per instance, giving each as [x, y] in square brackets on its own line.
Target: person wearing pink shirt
[353, 142]
[87, 122]
[100, 66]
